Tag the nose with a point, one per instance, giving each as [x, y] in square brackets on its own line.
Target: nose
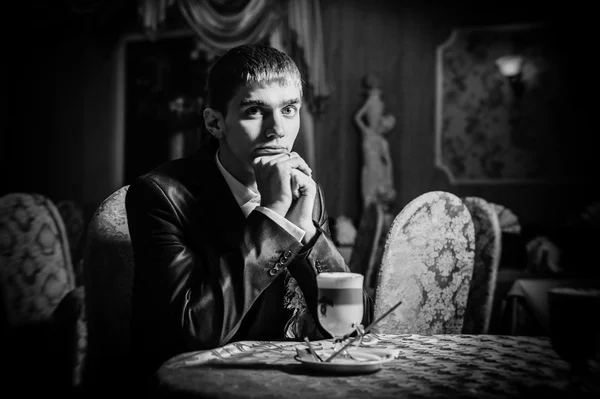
[274, 126]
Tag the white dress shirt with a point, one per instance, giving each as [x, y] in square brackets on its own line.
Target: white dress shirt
[249, 200]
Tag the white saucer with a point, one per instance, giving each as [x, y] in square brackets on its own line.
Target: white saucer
[365, 360]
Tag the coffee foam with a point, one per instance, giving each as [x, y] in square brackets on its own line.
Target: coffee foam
[337, 280]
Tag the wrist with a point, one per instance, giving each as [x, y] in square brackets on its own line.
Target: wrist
[309, 233]
[277, 207]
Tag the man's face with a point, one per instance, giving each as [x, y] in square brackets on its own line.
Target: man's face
[261, 120]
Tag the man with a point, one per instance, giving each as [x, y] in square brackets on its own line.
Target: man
[217, 235]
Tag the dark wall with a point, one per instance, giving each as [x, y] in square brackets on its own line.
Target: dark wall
[397, 41]
[61, 104]
[59, 126]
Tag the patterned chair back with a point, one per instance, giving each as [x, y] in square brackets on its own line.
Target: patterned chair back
[108, 278]
[35, 260]
[488, 241]
[427, 263]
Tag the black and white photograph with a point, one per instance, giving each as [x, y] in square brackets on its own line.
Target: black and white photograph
[299, 199]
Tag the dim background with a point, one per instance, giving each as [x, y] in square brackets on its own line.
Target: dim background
[61, 113]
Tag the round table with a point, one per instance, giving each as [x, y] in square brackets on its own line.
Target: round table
[424, 367]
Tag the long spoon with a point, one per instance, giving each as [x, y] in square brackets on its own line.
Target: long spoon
[334, 354]
[312, 351]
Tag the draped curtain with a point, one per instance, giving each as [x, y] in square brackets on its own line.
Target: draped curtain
[292, 26]
[305, 45]
[224, 24]
[153, 14]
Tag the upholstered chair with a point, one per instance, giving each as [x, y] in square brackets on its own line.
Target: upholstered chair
[427, 263]
[488, 241]
[366, 256]
[508, 221]
[74, 220]
[70, 326]
[35, 260]
[108, 278]
[36, 275]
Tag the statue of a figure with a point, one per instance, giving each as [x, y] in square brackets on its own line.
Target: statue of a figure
[377, 177]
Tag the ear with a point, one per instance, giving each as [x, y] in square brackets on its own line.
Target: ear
[214, 122]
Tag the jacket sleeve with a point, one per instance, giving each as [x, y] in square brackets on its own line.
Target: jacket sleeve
[318, 256]
[189, 297]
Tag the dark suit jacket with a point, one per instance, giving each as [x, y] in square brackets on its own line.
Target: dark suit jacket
[205, 275]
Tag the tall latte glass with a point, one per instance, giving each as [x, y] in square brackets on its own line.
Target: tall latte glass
[340, 303]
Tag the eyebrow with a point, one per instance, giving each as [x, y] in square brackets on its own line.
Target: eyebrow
[248, 102]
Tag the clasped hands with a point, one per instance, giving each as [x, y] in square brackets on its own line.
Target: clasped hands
[286, 187]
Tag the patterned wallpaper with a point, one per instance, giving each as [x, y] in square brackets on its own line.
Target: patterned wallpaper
[486, 132]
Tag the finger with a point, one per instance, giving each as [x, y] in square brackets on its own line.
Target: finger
[304, 166]
[291, 160]
[295, 187]
[271, 159]
[301, 183]
[296, 162]
[295, 184]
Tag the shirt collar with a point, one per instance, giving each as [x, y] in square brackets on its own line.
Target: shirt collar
[241, 193]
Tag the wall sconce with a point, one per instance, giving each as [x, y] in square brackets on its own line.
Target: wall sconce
[510, 68]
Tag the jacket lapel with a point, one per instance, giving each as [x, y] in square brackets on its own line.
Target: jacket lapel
[221, 209]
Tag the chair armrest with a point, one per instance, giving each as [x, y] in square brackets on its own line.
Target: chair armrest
[70, 327]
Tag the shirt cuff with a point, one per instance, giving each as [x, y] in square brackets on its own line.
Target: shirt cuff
[285, 224]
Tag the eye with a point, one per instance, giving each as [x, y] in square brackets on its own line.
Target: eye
[253, 111]
[290, 110]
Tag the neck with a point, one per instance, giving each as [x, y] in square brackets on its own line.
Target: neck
[239, 171]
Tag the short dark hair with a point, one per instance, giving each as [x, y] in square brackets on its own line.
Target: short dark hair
[244, 65]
